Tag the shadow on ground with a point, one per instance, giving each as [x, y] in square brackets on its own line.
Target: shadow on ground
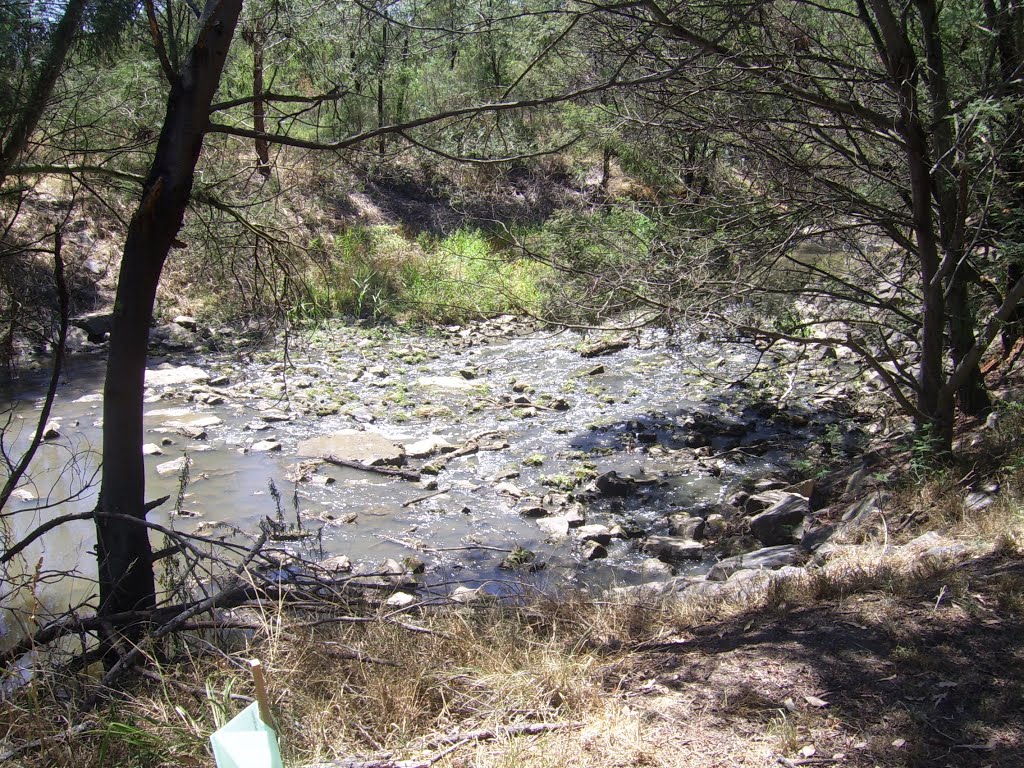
[932, 677]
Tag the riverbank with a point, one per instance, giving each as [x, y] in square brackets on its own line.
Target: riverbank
[880, 658]
[899, 647]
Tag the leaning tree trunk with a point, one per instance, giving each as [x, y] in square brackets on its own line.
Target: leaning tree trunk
[22, 128]
[124, 553]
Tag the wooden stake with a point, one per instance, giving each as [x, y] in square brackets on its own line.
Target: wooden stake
[261, 693]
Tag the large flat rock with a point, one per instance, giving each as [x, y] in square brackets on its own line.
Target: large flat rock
[673, 548]
[355, 445]
[453, 383]
[769, 558]
[183, 374]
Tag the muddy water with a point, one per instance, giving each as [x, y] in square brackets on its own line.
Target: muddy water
[633, 411]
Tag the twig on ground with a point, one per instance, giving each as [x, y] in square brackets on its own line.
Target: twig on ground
[451, 743]
[35, 743]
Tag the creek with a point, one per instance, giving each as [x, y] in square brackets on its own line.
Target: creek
[687, 422]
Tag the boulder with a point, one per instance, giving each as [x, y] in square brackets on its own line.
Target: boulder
[265, 446]
[400, 600]
[673, 548]
[815, 537]
[428, 446]
[779, 523]
[172, 467]
[653, 568]
[52, 430]
[759, 502]
[599, 533]
[687, 527]
[534, 511]
[555, 527]
[354, 445]
[273, 415]
[592, 550]
[151, 449]
[613, 484]
[456, 383]
[574, 515]
[465, 595]
[715, 525]
[171, 336]
[96, 325]
[171, 376]
[769, 558]
[864, 512]
[510, 489]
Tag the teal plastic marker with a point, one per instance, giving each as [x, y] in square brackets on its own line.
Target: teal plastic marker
[249, 741]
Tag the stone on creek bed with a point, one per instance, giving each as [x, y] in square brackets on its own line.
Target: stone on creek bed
[428, 446]
[673, 548]
[448, 382]
[354, 445]
[769, 558]
[165, 376]
[782, 522]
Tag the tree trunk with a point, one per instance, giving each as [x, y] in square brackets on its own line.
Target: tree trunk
[254, 36]
[950, 190]
[25, 125]
[972, 396]
[124, 553]
[382, 141]
[934, 419]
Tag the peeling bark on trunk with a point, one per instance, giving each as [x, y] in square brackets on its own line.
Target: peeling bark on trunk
[125, 556]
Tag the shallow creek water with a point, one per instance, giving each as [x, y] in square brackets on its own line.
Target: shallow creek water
[630, 411]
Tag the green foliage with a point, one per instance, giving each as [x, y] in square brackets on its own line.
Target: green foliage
[376, 273]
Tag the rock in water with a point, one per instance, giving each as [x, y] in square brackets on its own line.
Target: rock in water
[165, 377]
[769, 558]
[354, 445]
[172, 467]
[780, 523]
[265, 446]
[688, 527]
[672, 548]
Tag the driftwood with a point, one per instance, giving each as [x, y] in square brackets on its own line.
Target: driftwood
[604, 347]
[452, 742]
[425, 497]
[403, 474]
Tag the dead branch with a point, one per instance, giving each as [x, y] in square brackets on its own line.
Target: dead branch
[387, 471]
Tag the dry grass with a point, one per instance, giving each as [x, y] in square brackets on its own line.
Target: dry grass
[692, 681]
[918, 660]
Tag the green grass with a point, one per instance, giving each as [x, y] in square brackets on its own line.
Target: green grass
[377, 273]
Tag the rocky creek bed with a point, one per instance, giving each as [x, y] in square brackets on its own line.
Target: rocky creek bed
[475, 458]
